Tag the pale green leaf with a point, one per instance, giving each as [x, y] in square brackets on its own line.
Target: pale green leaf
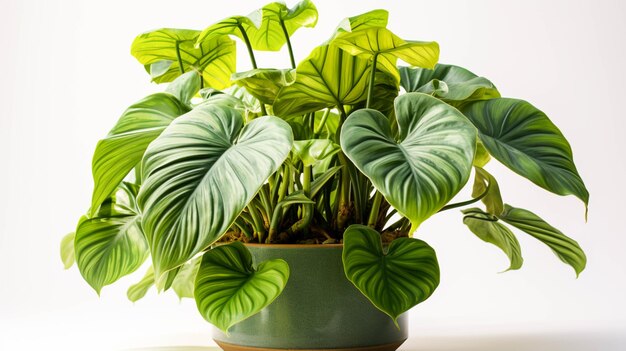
[67, 250]
[200, 174]
[234, 25]
[395, 279]
[183, 284]
[264, 83]
[111, 244]
[313, 151]
[327, 78]
[229, 290]
[489, 230]
[138, 290]
[214, 59]
[525, 140]
[118, 153]
[565, 248]
[482, 157]
[486, 183]
[423, 170]
[374, 18]
[447, 82]
[388, 47]
[185, 87]
[278, 19]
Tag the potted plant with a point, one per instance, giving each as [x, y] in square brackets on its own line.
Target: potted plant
[287, 201]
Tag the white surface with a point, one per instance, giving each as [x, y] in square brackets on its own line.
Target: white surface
[67, 75]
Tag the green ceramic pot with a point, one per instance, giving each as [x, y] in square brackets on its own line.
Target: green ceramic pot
[318, 310]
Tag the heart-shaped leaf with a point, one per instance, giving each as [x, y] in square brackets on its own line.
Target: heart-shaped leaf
[123, 148]
[423, 170]
[447, 82]
[327, 78]
[138, 290]
[489, 230]
[264, 83]
[394, 280]
[189, 167]
[566, 249]
[111, 244]
[174, 51]
[67, 250]
[525, 140]
[485, 182]
[229, 290]
[380, 42]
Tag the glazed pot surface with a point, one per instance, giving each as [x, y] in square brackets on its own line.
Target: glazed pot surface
[319, 308]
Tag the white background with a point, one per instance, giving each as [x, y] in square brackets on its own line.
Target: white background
[67, 75]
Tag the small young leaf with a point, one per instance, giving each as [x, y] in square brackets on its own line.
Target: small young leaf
[185, 280]
[489, 230]
[185, 87]
[138, 291]
[485, 182]
[67, 250]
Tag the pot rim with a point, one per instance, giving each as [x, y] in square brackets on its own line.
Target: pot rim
[294, 246]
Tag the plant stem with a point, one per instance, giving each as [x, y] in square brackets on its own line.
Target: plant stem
[319, 128]
[373, 219]
[465, 203]
[252, 59]
[180, 59]
[293, 61]
[370, 90]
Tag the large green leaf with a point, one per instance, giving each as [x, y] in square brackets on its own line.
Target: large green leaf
[327, 78]
[67, 250]
[228, 288]
[200, 174]
[423, 170]
[278, 19]
[168, 48]
[395, 279]
[380, 42]
[123, 148]
[525, 140]
[138, 290]
[447, 82]
[485, 183]
[264, 83]
[489, 230]
[564, 247]
[112, 244]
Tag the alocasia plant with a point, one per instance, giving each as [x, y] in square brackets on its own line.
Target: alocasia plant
[330, 150]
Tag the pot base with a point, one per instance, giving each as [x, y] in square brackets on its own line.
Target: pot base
[385, 347]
